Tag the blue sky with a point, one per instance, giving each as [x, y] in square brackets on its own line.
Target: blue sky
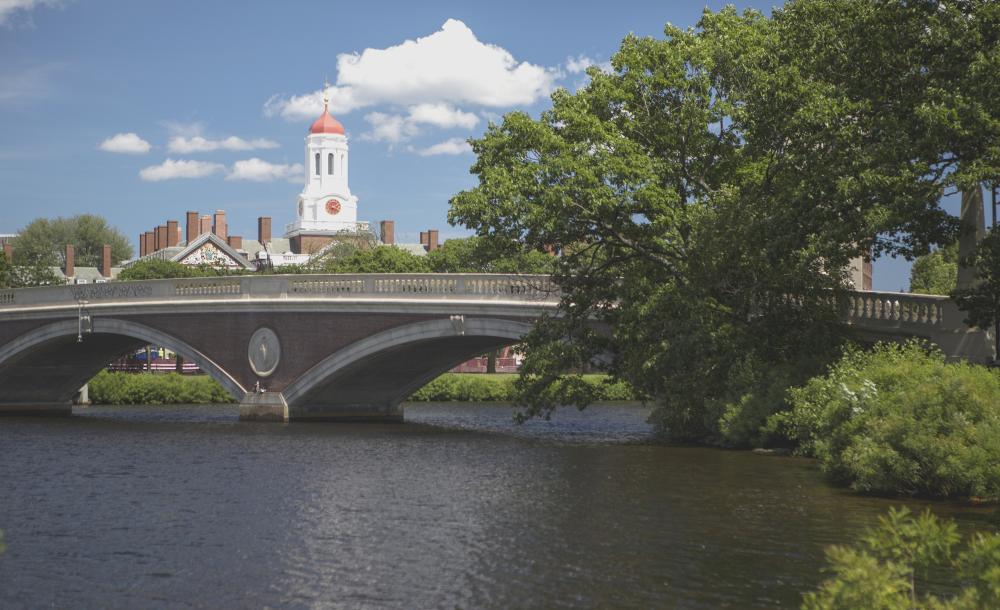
[219, 96]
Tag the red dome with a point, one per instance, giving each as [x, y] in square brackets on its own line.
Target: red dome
[326, 124]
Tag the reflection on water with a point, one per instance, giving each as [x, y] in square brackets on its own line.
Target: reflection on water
[187, 507]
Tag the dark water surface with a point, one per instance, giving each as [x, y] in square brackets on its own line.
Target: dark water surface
[157, 507]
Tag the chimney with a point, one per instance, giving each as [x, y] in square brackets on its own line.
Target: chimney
[142, 244]
[205, 225]
[192, 227]
[424, 239]
[150, 242]
[8, 251]
[106, 261]
[235, 242]
[432, 240]
[161, 237]
[264, 229]
[219, 224]
[69, 269]
[388, 230]
[173, 233]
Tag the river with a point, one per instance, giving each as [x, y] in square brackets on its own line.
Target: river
[186, 507]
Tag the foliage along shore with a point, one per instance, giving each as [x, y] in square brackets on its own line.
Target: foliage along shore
[110, 388]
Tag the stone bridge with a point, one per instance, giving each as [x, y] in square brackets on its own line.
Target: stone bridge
[326, 347]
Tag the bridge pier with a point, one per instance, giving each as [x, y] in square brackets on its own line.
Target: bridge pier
[264, 407]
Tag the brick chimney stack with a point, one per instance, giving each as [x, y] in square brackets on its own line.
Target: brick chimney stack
[191, 222]
[161, 237]
[142, 244]
[387, 229]
[150, 242]
[432, 240]
[424, 241]
[69, 269]
[264, 229]
[106, 261]
[235, 242]
[205, 224]
[173, 233]
[8, 251]
[219, 224]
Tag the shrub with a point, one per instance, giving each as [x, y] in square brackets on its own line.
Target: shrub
[899, 420]
[159, 389]
[889, 568]
[468, 387]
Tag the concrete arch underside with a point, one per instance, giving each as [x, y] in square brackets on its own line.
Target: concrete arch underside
[368, 380]
[42, 370]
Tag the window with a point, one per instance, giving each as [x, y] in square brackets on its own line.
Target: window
[329, 164]
[317, 164]
[342, 166]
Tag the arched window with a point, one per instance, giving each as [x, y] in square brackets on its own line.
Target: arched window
[329, 164]
[317, 164]
[342, 173]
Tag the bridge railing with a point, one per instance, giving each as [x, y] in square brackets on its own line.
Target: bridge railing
[893, 309]
[388, 285]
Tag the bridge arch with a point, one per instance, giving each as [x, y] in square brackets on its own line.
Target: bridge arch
[380, 371]
[47, 365]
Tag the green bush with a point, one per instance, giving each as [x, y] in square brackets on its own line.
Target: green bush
[471, 387]
[899, 420]
[156, 389]
[889, 569]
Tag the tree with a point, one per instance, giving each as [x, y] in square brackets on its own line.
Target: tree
[380, 259]
[888, 569]
[707, 194]
[478, 255]
[981, 302]
[935, 273]
[45, 240]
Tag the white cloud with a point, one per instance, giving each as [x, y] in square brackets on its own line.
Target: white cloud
[258, 170]
[576, 65]
[22, 83]
[452, 146]
[125, 143]
[448, 66]
[171, 169]
[195, 144]
[390, 128]
[442, 115]
[10, 8]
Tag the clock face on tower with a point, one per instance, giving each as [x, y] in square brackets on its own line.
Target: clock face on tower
[333, 207]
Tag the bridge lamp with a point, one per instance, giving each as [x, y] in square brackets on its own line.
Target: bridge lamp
[83, 322]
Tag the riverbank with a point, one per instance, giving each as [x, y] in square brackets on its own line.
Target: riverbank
[109, 388]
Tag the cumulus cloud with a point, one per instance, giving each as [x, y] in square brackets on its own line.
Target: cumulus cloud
[576, 65]
[196, 144]
[448, 66]
[11, 8]
[182, 168]
[442, 115]
[390, 128]
[395, 128]
[452, 146]
[125, 143]
[258, 170]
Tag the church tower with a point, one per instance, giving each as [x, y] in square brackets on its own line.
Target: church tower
[326, 206]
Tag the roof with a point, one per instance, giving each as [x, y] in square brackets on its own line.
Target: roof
[326, 124]
[86, 274]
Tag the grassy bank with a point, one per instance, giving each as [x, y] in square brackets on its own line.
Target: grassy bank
[172, 388]
[156, 389]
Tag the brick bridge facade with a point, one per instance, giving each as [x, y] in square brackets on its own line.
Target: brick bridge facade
[344, 347]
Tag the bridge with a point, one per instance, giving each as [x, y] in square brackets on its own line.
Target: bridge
[328, 347]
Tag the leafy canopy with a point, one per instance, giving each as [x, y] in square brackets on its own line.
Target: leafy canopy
[708, 193]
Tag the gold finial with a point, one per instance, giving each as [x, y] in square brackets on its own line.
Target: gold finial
[326, 94]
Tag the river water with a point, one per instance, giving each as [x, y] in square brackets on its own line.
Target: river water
[186, 507]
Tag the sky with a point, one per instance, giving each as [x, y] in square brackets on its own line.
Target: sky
[141, 111]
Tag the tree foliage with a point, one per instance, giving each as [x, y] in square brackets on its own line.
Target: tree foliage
[478, 255]
[156, 269]
[707, 194]
[380, 259]
[981, 302]
[46, 239]
[937, 272]
[889, 568]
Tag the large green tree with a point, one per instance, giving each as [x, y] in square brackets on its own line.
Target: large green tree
[42, 244]
[707, 193]
[935, 273]
[478, 255]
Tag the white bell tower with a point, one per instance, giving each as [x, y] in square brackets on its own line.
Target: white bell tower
[326, 205]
